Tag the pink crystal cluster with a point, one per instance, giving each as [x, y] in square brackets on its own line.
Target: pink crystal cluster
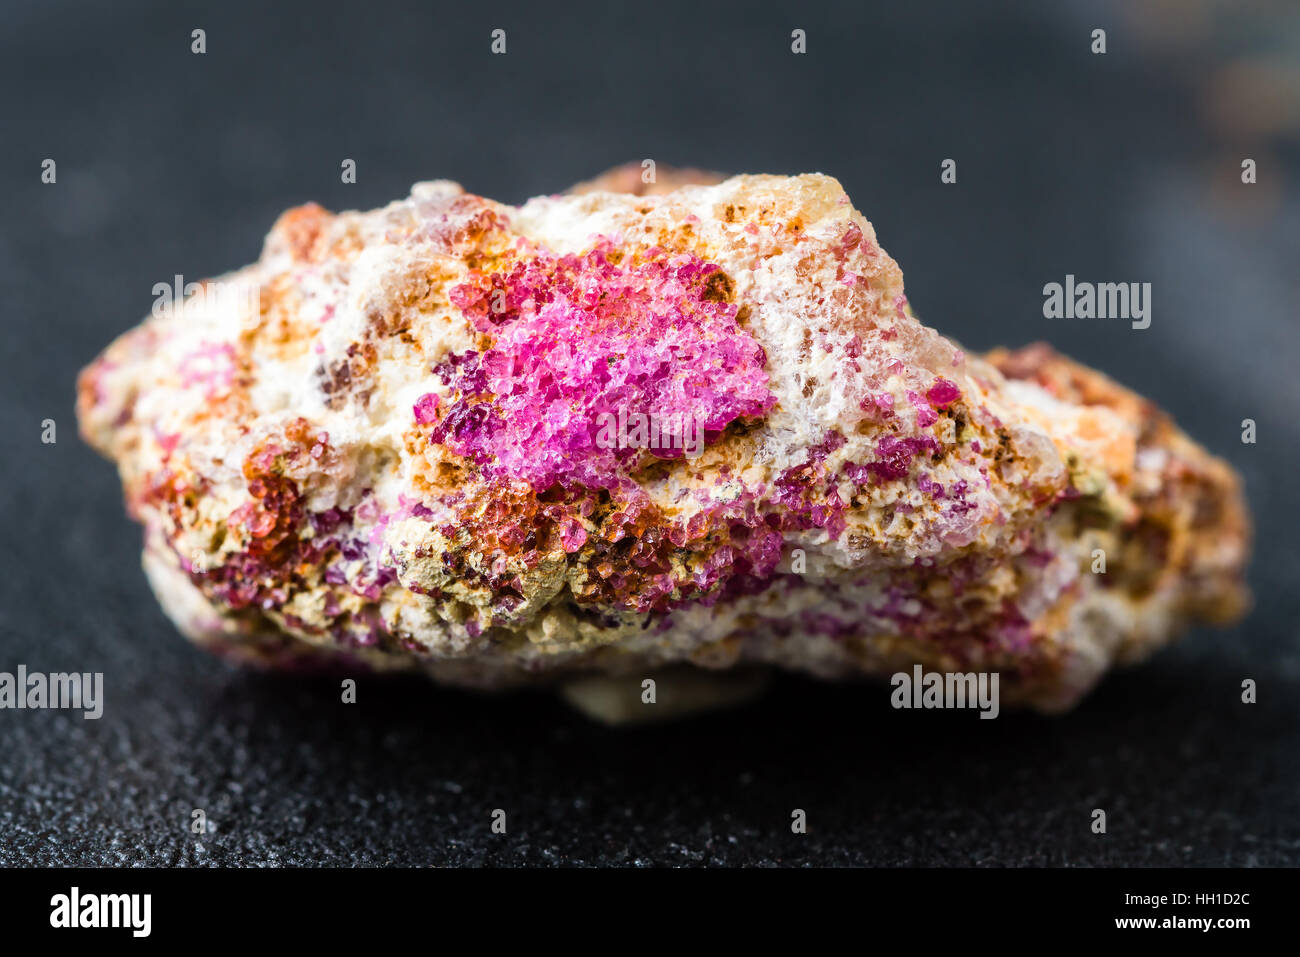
[576, 338]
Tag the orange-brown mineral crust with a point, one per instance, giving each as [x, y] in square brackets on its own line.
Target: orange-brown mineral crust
[647, 426]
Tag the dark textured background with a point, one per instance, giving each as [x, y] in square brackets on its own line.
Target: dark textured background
[1121, 167]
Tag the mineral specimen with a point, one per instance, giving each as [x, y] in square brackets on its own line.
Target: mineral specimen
[635, 429]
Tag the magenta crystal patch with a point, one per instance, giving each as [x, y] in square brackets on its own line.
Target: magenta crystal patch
[943, 393]
[426, 409]
[578, 340]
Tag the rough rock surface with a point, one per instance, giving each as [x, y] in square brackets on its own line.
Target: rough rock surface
[414, 438]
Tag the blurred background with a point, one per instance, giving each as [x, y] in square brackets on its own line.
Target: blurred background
[1123, 167]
